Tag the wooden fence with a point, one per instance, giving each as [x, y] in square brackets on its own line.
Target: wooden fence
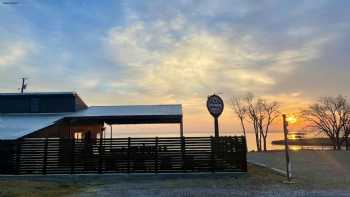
[123, 155]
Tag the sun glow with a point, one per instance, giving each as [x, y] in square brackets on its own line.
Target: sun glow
[291, 119]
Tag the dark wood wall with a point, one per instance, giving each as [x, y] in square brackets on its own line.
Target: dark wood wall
[41, 103]
[65, 129]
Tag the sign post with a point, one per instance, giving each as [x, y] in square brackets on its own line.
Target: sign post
[215, 107]
[288, 164]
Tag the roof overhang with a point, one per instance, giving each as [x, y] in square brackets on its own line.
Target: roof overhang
[130, 114]
[15, 126]
[145, 119]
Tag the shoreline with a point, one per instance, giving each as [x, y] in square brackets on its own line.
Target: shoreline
[305, 142]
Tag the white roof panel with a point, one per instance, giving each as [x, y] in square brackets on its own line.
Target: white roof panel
[13, 126]
[16, 126]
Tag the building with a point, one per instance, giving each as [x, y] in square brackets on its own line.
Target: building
[58, 133]
[66, 115]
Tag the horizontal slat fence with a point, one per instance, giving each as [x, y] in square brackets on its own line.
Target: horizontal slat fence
[7, 152]
[123, 155]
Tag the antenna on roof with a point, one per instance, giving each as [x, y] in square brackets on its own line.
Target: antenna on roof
[24, 84]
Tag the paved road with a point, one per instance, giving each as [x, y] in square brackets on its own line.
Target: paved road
[114, 190]
[328, 169]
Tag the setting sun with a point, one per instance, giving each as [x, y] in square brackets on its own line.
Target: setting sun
[291, 119]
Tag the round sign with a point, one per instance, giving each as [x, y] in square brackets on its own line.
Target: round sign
[215, 105]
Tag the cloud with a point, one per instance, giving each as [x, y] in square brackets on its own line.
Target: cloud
[135, 52]
[180, 59]
[12, 53]
[288, 60]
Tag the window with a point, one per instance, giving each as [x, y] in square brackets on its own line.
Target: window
[78, 135]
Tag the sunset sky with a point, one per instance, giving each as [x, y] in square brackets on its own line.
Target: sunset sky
[160, 52]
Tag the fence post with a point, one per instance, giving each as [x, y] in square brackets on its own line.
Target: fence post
[46, 143]
[237, 159]
[129, 143]
[237, 144]
[244, 152]
[18, 156]
[100, 152]
[183, 153]
[72, 158]
[156, 156]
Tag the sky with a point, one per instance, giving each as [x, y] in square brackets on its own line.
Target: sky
[163, 52]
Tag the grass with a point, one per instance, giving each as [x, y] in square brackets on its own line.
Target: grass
[30, 188]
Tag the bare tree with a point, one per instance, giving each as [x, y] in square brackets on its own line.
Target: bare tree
[259, 113]
[265, 113]
[270, 113]
[331, 116]
[241, 111]
[252, 110]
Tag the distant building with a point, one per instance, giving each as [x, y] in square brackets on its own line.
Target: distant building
[66, 115]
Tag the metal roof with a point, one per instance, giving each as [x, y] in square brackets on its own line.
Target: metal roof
[37, 93]
[16, 126]
[13, 126]
[130, 110]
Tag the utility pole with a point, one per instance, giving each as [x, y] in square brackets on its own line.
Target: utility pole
[288, 164]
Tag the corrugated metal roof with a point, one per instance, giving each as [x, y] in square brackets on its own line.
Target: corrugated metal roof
[13, 126]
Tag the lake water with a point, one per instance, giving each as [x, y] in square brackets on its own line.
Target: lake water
[270, 137]
[279, 136]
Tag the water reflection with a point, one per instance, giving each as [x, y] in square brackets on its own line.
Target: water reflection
[295, 148]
